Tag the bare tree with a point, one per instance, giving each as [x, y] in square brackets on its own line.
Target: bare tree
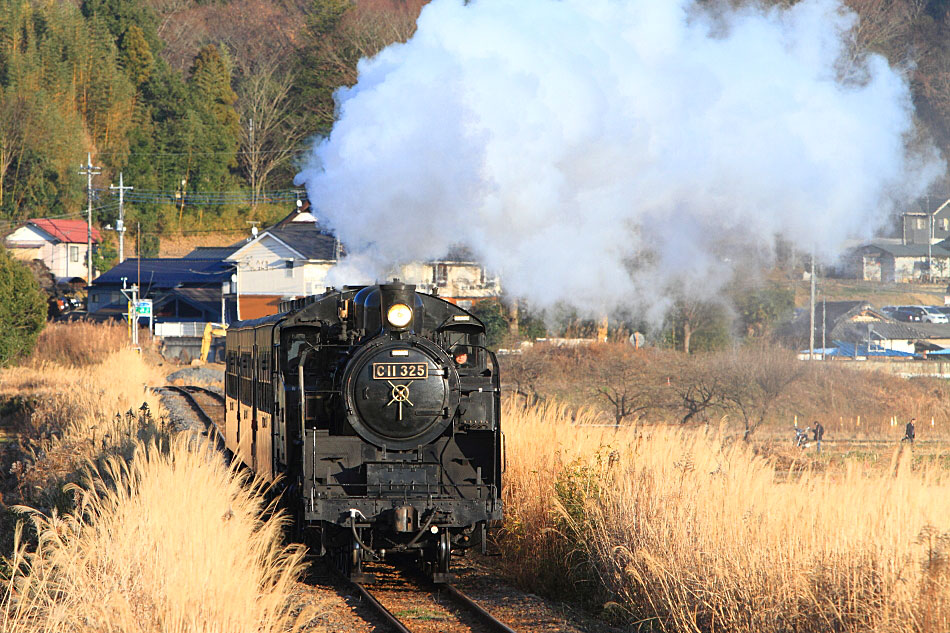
[624, 381]
[697, 387]
[755, 382]
[336, 45]
[526, 371]
[271, 131]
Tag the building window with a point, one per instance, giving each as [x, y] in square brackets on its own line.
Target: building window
[945, 224]
[74, 253]
[440, 274]
[920, 224]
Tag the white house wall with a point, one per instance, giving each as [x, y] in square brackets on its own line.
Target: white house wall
[264, 254]
[912, 268]
[301, 280]
[27, 234]
[897, 345]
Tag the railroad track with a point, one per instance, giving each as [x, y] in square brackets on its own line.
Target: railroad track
[410, 604]
[207, 405]
[405, 601]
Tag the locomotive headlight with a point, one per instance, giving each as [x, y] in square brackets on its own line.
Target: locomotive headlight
[399, 315]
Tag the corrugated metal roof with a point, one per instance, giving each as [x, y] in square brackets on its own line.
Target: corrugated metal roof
[168, 273]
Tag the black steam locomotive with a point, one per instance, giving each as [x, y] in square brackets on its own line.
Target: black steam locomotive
[377, 410]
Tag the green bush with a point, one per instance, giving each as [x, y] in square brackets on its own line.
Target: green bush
[22, 309]
[495, 317]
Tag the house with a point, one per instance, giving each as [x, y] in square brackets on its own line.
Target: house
[294, 257]
[927, 226]
[891, 260]
[181, 290]
[457, 277]
[289, 259]
[849, 328]
[60, 244]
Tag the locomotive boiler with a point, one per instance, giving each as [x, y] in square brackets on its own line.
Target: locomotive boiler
[376, 410]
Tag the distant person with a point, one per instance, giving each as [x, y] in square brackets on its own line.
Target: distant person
[819, 432]
[909, 431]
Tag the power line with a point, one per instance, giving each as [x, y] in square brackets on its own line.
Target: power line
[237, 153]
[217, 198]
[193, 232]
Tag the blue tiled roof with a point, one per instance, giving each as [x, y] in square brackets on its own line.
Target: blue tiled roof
[167, 273]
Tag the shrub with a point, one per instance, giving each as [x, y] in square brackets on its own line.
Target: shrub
[22, 309]
[494, 316]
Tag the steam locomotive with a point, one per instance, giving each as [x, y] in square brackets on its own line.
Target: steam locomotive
[376, 410]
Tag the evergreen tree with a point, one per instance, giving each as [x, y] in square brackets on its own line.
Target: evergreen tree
[137, 57]
[119, 15]
[22, 309]
[327, 61]
[215, 128]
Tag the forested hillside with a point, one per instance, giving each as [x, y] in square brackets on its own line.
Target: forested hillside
[192, 97]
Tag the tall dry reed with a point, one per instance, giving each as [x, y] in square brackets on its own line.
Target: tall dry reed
[77, 413]
[685, 531]
[79, 343]
[172, 542]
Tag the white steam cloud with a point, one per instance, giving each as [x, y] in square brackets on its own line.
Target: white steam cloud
[604, 152]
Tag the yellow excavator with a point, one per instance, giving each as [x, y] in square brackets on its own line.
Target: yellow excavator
[211, 330]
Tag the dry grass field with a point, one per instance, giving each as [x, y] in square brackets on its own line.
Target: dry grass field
[170, 541]
[673, 529]
[658, 524]
[123, 528]
[76, 402]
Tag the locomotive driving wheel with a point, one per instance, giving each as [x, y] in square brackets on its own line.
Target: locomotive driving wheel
[441, 567]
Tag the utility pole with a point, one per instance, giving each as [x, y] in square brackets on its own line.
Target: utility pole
[811, 320]
[120, 223]
[930, 241]
[89, 171]
[253, 159]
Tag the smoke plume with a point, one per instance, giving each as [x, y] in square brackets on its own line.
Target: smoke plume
[609, 152]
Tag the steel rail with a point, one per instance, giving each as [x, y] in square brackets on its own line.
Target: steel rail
[487, 618]
[204, 390]
[193, 403]
[455, 595]
[386, 614]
